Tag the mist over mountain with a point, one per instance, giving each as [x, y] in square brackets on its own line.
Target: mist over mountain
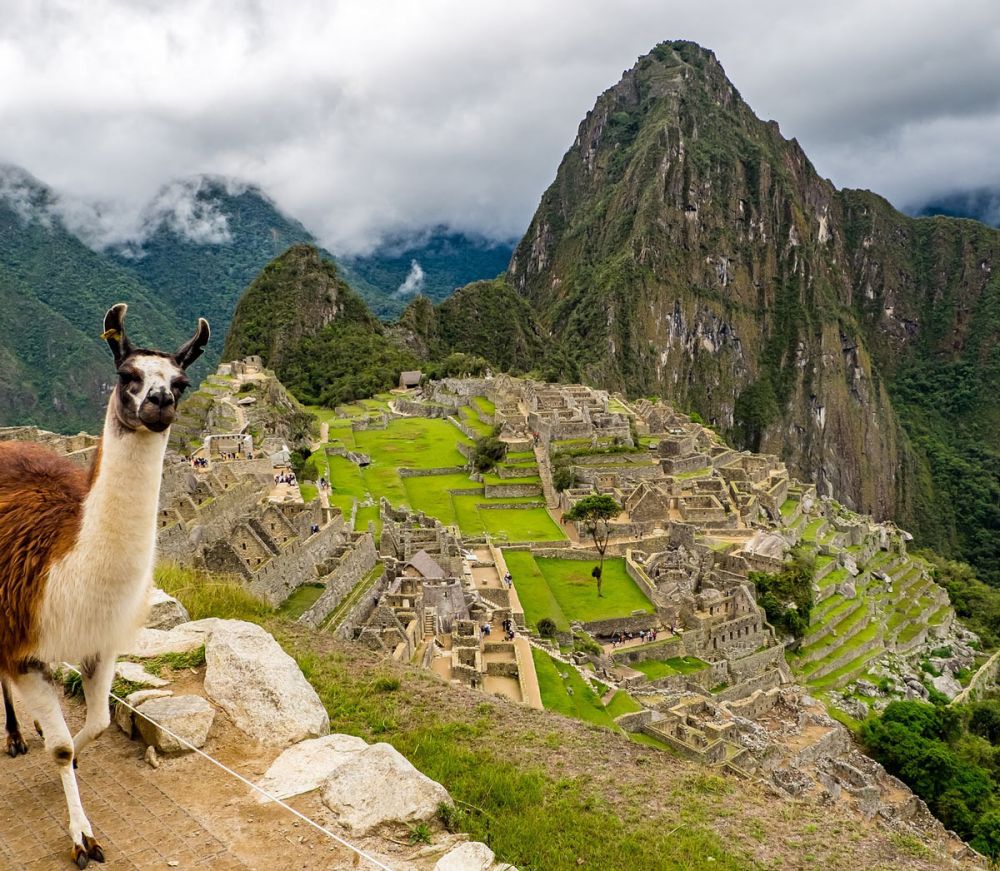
[981, 204]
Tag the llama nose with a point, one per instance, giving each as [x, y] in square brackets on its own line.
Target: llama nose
[162, 398]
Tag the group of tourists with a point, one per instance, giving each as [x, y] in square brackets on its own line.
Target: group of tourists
[620, 639]
[288, 478]
[199, 462]
[323, 484]
[508, 629]
[508, 579]
[234, 455]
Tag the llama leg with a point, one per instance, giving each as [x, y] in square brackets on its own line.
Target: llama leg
[15, 743]
[40, 695]
[98, 674]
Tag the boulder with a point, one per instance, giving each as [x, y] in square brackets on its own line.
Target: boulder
[847, 589]
[260, 686]
[377, 786]
[155, 642]
[133, 672]
[124, 716]
[188, 717]
[165, 612]
[306, 765]
[947, 685]
[470, 856]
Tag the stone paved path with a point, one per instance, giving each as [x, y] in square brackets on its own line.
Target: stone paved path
[136, 822]
[187, 812]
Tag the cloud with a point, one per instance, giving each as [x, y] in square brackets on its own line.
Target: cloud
[414, 282]
[376, 118]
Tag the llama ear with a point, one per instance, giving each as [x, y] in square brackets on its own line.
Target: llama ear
[114, 332]
[192, 348]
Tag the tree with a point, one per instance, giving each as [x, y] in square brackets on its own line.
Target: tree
[595, 512]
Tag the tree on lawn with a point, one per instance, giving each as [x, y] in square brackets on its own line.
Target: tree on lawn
[594, 512]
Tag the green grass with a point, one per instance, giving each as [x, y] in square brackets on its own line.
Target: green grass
[413, 443]
[576, 591]
[571, 696]
[521, 524]
[300, 601]
[484, 405]
[533, 590]
[654, 669]
[208, 595]
[528, 816]
[368, 512]
[622, 703]
[308, 490]
[788, 507]
[812, 528]
[474, 422]
[491, 478]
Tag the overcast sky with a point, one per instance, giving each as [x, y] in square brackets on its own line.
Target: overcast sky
[366, 118]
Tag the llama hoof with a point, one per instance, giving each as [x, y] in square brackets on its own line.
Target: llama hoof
[80, 857]
[15, 745]
[89, 849]
[94, 850]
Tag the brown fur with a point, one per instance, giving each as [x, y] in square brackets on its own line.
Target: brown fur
[41, 505]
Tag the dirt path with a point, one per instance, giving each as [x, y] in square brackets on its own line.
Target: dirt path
[187, 814]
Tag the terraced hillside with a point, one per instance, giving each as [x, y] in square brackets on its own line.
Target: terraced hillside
[869, 601]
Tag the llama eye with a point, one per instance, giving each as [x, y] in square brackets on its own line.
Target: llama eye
[180, 386]
[125, 378]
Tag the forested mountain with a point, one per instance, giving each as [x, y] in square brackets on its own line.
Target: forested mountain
[431, 264]
[314, 331]
[54, 291]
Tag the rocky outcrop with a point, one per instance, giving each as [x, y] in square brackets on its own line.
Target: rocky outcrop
[175, 723]
[308, 765]
[260, 686]
[470, 856]
[165, 612]
[379, 786]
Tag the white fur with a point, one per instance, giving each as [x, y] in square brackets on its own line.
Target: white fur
[96, 595]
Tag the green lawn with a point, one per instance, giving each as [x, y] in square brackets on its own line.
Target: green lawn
[654, 669]
[474, 422]
[369, 512]
[576, 591]
[622, 703]
[521, 524]
[583, 703]
[413, 443]
[484, 405]
[492, 479]
[300, 601]
[533, 590]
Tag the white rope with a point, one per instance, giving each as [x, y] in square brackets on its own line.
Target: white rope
[361, 853]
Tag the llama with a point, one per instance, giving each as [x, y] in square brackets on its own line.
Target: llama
[78, 553]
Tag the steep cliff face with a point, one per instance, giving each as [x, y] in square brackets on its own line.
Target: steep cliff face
[686, 248]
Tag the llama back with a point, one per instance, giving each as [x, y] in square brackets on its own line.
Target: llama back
[41, 498]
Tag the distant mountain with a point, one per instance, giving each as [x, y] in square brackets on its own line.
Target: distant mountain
[197, 247]
[54, 290]
[981, 204]
[433, 264]
[203, 240]
[314, 331]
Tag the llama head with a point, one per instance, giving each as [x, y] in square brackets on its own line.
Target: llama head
[150, 383]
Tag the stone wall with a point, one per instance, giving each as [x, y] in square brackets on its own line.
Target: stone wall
[665, 649]
[352, 568]
[360, 611]
[512, 491]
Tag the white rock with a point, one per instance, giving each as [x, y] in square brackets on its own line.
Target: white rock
[165, 612]
[380, 786]
[260, 686]
[133, 672]
[124, 716]
[470, 856]
[947, 685]
[188, 717]
[155, 642]
[306, 765]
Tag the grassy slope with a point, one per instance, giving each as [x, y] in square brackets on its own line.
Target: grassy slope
[576, 590]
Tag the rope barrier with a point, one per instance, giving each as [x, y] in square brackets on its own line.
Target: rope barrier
[361, 853]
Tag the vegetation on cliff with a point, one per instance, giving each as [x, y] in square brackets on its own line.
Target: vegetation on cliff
[950, 756]
[324, 344]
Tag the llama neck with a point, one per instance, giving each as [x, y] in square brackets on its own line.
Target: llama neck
[120, 509]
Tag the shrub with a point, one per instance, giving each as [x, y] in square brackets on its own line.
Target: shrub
[489, 451]
[787, 596]
[547, 627]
